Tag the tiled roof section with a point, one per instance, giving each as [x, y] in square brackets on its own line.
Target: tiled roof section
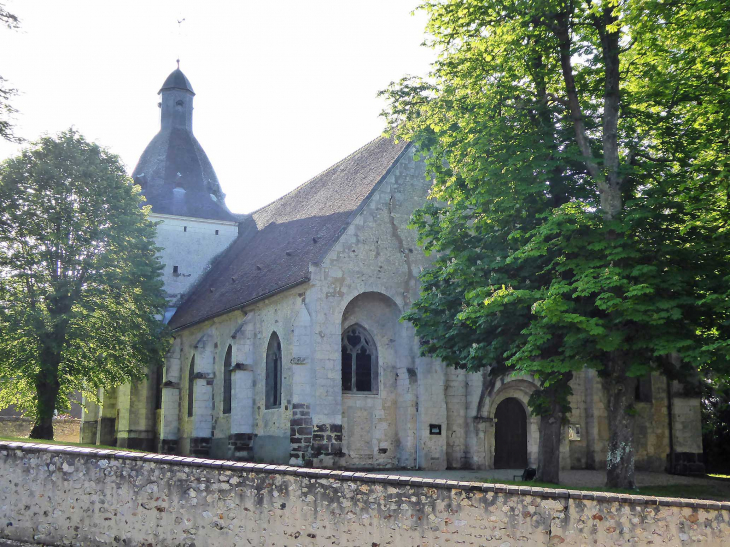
[278, 242]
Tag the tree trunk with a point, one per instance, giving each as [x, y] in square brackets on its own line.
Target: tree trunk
[47, 387]
[551, 425]
[620, 391]
[548, 454]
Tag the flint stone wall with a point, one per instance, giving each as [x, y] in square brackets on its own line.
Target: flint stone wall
[64, 429]
[77, 496]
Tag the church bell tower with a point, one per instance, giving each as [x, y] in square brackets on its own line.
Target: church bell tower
[182, 189]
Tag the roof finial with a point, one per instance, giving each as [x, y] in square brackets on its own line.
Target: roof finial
[178, 64]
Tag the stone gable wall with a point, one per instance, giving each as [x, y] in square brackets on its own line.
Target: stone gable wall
[370, 276]
[74, 496]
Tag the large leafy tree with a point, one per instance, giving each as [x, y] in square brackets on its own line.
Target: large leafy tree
[580, 159]
[79, 279]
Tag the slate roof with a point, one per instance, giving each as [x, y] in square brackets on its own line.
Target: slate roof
[177, 177]
[177, 80]
[174, 171]
[277, 243]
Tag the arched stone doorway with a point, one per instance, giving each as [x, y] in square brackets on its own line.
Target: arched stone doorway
[510, 435]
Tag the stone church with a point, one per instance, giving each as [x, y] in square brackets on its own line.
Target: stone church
[288, 346]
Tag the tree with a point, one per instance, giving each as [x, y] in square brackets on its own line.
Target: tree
[580, 159]
[6, 110]
[79, 279]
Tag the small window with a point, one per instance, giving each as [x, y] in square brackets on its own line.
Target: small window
[216, 232]
[273, 372]
[359, 361]
[227, 381]
[643, 392]
[191, 386]
[185, 228]
[175, 270]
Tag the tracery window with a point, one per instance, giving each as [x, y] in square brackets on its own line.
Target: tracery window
[359, 361]
[273, 372]
[227, 380]
[191, 385]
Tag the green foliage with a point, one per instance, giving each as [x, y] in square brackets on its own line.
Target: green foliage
[580, 160]
[79, 279]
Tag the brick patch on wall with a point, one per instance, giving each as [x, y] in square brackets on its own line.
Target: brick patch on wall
[241, 445]
[200, 446]
[300, 434]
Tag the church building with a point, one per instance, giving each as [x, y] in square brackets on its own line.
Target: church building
[288, 345]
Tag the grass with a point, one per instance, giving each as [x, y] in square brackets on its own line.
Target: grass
[720, 491]
[66, 443]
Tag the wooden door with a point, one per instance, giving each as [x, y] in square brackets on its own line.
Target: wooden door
[510, 435]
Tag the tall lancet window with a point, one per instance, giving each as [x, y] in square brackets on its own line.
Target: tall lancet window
[273, 372]
[227, 381]
[359, 361]
[191, 386]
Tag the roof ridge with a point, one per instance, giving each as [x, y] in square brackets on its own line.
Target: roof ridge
[363, 147]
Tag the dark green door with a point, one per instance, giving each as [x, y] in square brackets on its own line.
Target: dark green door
[510, 435]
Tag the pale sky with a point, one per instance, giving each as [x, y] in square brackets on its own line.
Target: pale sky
[284, 88]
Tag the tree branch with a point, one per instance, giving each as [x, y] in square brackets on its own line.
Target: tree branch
[562, 33]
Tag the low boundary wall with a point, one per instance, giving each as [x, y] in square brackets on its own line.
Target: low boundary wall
[64, 429]
[61, 495]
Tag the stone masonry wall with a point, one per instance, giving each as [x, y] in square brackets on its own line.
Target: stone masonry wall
[73, 496]
[269, 439]
[189, 244]
[64, 429]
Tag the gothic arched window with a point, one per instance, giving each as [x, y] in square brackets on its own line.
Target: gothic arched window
[359, 361]
[191, 386]
[227, 381]
[273, 372]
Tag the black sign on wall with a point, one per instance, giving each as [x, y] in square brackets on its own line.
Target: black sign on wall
[434, 429]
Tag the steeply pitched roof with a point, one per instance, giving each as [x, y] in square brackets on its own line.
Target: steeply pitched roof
[177, 80]
[278, 242]
[174, 172]
[177, 177]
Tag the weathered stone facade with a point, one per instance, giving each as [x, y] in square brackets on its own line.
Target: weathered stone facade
[380, 406]
[66, 496]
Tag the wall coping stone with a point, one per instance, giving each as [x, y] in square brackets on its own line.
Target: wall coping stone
[329, 474]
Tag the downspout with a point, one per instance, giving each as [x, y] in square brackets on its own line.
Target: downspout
[418, 438]
[670, 412]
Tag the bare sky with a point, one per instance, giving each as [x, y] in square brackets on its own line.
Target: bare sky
[284, 88]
